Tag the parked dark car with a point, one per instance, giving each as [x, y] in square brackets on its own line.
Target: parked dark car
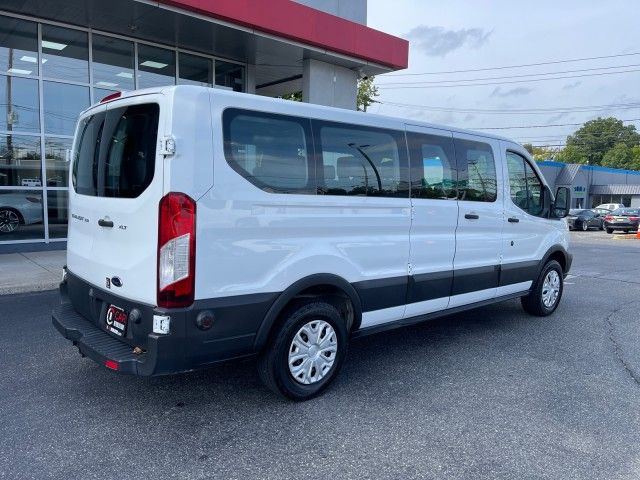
[625, 219]
[584, 220]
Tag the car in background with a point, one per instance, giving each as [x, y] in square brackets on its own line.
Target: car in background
[582, 219]
[601, 211]
[625, 219]
[31, 182]
[610, 206]
[19, 209]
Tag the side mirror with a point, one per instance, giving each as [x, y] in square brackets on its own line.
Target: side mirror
[562, 202]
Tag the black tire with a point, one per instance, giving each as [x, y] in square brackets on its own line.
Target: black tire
[10, 220]
[602, 226]
[533, 303]
[585, 226]
[273, 365]
[609, 231]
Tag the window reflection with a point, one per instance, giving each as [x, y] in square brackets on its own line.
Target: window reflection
[57, 213]
[18, 46]
[20, 161]
[195, 70]
[112, 63]
[57, 153]
[65, 54]
[21, 215]
[230, 75]
[156, 67]
[19, 109]
[62, 104]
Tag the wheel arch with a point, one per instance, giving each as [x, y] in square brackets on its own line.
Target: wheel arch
[321, 284]
[559, 254]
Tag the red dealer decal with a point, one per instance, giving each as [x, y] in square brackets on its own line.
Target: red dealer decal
[293, 21]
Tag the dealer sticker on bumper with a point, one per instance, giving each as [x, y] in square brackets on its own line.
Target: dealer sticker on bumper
[116, 320]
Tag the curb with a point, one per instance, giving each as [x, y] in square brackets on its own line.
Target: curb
[43, 287]
[625, 237]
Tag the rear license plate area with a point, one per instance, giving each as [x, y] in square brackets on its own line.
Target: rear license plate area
[116, 320]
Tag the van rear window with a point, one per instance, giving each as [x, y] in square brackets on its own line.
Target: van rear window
[114, 154]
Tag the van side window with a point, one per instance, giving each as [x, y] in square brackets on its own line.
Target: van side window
[477, 179]
[527, 191]
[271, 151]
[433, 171]
[360, 161]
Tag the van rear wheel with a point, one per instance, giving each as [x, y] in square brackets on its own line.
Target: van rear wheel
[306, 352]
[547, 291]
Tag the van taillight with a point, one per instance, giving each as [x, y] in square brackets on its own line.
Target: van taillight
[176, 251]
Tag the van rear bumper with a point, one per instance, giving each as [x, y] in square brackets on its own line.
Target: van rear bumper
[80, 319]
[101, 347]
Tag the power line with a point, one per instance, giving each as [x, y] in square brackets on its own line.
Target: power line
[511, 76]
[506, 67]
[534, 111]
[404, 86]
[545, 126]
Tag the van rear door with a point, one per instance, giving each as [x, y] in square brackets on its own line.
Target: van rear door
[117, 183]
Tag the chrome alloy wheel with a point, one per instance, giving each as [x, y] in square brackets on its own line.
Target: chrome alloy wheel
[551, 288]
[312, 352]
[9, 221]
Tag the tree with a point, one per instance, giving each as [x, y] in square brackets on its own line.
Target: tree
[622, 156]
[367, 91]
[591, 142]
[528, 147]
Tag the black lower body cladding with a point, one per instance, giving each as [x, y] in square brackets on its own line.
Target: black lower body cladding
[81, 318]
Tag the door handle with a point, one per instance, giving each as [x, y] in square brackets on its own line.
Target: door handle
[105, 223]
[471, 216]
[513, 220]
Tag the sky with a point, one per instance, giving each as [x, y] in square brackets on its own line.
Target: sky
[459, 35]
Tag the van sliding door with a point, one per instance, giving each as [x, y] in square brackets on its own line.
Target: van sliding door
[434, 211]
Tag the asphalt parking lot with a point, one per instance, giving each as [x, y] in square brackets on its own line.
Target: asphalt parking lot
[491, 393]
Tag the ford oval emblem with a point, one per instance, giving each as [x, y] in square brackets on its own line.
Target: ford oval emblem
[116, 282]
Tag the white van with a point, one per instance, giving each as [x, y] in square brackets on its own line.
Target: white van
[208, 225]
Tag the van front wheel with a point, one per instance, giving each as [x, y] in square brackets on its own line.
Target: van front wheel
[306, 353]
[547, 291]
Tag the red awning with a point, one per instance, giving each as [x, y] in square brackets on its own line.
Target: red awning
[293, 21]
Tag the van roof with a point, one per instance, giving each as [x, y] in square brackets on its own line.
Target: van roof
[309, 109]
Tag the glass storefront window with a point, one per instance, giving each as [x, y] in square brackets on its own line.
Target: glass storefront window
[195, 70]
[57, 154]
[57, 213]
[19, 106]
[112, 63]
[18, 46]
[65, 54]
[21, 215]
[62, 104]
[156, 67]
[20, 161]
[230, 75]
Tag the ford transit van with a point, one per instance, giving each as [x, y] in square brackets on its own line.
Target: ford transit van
[208, 225]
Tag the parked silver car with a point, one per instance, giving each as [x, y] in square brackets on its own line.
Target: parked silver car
[19, 209]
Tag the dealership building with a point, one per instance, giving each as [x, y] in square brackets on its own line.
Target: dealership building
[60, 56]
[593, 185]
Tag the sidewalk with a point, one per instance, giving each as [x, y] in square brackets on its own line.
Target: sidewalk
[31, 272]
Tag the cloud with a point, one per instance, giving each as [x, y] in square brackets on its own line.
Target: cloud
[437, 41]
[499, 92]
[571, 86]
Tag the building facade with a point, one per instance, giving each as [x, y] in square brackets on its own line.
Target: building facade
[593, 185]
[60, 56]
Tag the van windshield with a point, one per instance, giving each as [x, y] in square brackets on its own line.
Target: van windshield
[114, 153]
